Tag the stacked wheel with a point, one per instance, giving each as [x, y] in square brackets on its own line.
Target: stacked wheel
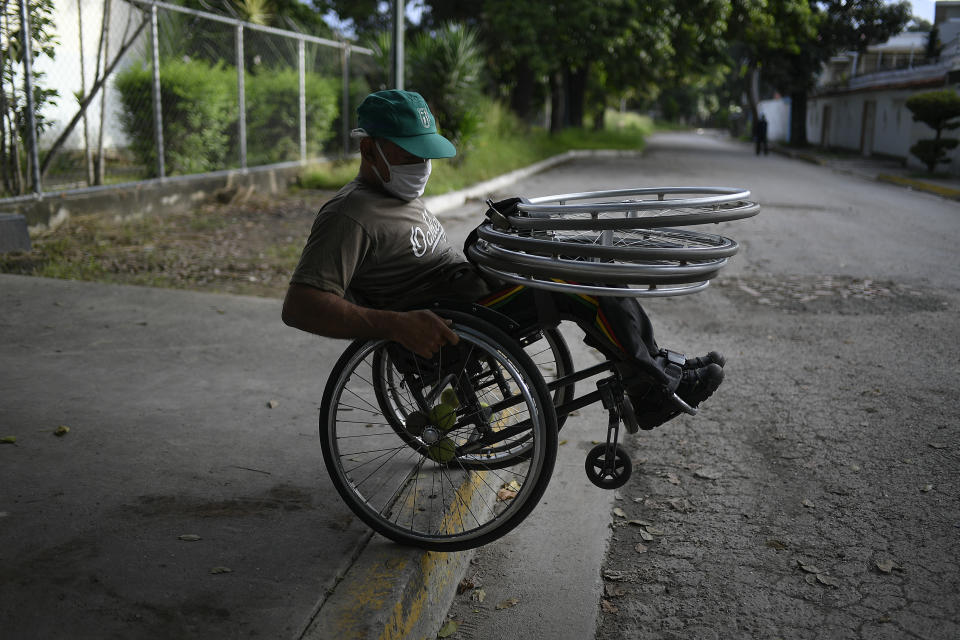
[599, 243]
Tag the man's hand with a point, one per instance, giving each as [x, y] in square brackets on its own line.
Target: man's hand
[327, 314]
[423, 332]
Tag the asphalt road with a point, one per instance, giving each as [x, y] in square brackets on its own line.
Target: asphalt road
[816, 495]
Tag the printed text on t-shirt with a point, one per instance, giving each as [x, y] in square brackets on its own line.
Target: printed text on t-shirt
[421, 240]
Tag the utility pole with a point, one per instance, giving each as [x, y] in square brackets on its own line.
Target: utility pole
[396, 51]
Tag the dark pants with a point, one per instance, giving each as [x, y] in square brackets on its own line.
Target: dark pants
[618, 327]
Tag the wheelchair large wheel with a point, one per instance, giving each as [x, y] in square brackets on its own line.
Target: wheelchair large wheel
[442, 481]
[549, 351]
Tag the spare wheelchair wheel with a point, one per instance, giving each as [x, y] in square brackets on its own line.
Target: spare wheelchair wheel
[475, 447]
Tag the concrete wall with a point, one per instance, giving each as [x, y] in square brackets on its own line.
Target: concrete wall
[778, 118]
[894, 130]
[149, 197]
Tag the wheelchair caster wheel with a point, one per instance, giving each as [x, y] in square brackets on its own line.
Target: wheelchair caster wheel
[605, 471]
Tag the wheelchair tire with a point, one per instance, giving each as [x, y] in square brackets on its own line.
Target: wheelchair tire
[554, 362]
[434, 487]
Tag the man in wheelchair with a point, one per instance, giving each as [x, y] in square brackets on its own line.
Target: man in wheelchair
[376, 258]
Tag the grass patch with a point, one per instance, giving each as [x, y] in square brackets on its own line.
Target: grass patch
[248, 248]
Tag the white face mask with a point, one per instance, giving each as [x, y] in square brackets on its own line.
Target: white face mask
[407, 181]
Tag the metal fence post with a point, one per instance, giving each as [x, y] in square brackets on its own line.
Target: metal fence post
[157, 108]
[302, 65]
[28, 89]
[241, 98]
[397, 54]
[345, 100]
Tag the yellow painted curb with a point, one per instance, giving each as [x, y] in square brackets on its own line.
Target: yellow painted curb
[920, 185]
[392, 592]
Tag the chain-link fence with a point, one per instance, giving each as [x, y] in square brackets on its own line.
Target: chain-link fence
[128, 90]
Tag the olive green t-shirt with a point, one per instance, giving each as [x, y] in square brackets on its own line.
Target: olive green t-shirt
[383, 252]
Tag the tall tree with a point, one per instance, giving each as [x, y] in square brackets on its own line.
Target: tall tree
[839, 25]
[764, 30]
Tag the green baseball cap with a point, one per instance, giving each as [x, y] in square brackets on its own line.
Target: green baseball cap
[403, 118]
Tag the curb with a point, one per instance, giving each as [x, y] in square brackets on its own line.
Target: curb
[390, 593]
[447, 201]
[920, 185]
[911, 183]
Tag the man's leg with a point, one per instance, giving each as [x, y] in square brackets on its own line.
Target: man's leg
[622, 331]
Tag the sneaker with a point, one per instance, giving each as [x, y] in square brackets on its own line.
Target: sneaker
[696, 385]
[714, 357]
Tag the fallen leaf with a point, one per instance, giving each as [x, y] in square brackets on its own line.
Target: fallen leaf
[217, 570]
[654, 531]
[640, 548]
[672, 478]
[8, 440]
[479, 595]
[561, 443]
[827, 580]
[505, 494]
[776, 544]
[506, 604]
[809, 568]
[887, 565]
[927, 487]
[61, 431]
[273, 404]
[189, 537]
[513, 485]
[810, 578]
[613, 574]
[620, 513]
[708, 474]
[680, 504]
[608, 607]
[808, 504]
[465, 585]
[448, 629]
[639, 523]
[646, 536]
[938, 445]
[613, 591]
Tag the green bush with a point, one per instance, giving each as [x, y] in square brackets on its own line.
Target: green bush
[445, 67]
[935, 109]
[273, 114]
[199, 103]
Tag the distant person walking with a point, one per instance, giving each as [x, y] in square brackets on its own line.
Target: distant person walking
[760, 134]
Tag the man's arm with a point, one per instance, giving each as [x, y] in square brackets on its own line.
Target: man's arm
[327, 314]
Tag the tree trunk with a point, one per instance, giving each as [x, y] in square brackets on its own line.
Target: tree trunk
[521, 96]
[87, 151]
[55, 147]
[104, 51]
[798, 118]
[558, 110]
[753, 89]
[575, 86]
[600, 117]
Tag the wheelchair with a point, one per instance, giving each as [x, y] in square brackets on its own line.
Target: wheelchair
[452, 452]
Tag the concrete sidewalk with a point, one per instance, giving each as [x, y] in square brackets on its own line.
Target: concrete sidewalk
[879, 169]
[189, 497]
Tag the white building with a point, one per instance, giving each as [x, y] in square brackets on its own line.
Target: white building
[860, 100]
[64, 72]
